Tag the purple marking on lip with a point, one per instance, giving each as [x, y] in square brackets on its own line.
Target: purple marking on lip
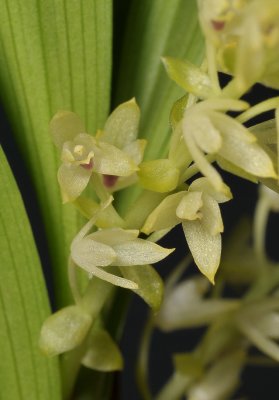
[109, 180]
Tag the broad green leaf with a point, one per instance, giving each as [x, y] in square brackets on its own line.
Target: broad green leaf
[150, 284]
[152, 31]
[55, 55]
[24, 372]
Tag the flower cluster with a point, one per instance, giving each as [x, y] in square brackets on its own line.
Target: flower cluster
[118, 246]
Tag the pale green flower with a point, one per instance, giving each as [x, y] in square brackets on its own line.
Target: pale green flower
[113, 247]
[245, 34]
[121, 131]
[198, 211]
[184, 306]
[206, 129]
[83, 154]
[259, 322]
[220, 380]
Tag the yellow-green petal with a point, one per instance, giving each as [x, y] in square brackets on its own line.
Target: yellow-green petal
[64, 330]
[158, 175]
[103, 353]
[189, 207]
[72, 179]
[205, 186]
[109, 160]
[64, 126]
[211, 215]
[191, 78]
[164, 216]
[205, 248]
[248, 156]
[139, 252]
[121, 127]
[114, 236]
[87, 254]
[150, 284]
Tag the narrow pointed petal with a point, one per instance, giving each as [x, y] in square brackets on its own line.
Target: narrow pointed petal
[121, 127]
[164, 217]
[113, 279]
[139, 252]
[109, 160]
[88, 254]
[64, 126]
[73, 179]
[205, 248]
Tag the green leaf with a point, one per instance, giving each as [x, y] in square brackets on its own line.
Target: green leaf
[152, 31]
[55, 55]
[149, 282]
[24, 372]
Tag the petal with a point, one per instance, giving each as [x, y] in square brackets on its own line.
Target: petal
[164, 217]
[109, 160]
[204, 166]
[135, 150]
[64, 330]
[114, 236]
[231, 127]
[158, 175]
[205, 134]
[139, 252]
[64, 126]
[150, 284]
[190, 206]
[121, 127]
[103, 353]
[73, 179]
[248, 156]
[235, 170]
[204, 185]
[188, 76]
[113, 279]
[211, 215]
[88, 254]
[205, 248]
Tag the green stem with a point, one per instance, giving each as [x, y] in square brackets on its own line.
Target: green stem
[142, 361]
[260, 223]
[260, 108]
[194, 169]
[175, 388]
